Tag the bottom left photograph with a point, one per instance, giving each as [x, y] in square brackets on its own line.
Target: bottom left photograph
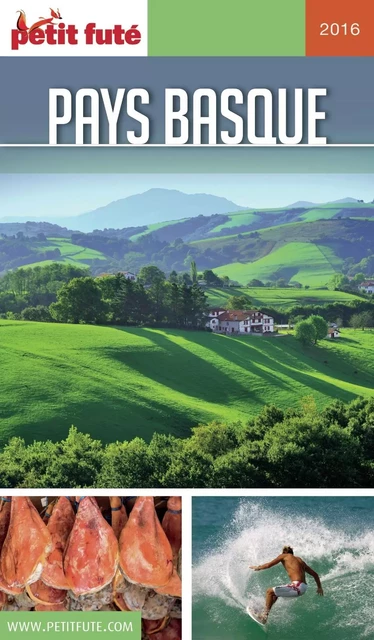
[94, 554]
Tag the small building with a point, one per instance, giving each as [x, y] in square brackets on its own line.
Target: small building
[367, 286]
[239, 321]
[333, 333]
[128, 275]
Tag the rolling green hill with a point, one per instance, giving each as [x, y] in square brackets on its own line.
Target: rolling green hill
[281, 299]
[119, 383]
[302, 262]
[302, 245]
[71, 252]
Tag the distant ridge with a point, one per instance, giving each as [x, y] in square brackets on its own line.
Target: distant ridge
[152, 206]
[306, 204]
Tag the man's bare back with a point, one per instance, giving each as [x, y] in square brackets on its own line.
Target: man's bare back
[294, 566]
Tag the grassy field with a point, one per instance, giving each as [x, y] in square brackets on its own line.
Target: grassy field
[319, 214]
[155, 227]
[118, 383]
[70, 253]
[279, 298]
[237, 220]
[303, 262]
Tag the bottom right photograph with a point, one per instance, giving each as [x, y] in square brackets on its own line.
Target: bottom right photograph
[284, 566]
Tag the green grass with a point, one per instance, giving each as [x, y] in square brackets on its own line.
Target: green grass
[319, 214]
[303, 262]
[237, 220]
[118, 383]
[223, 240]
[70, 253]
[155, 227]
[281, 299]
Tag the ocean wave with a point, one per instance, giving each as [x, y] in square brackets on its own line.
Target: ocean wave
[342, 554]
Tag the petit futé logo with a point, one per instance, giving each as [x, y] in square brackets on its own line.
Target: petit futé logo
[52, 31]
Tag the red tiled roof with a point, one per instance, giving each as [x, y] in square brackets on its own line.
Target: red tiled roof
[367, 283]
[234, 316]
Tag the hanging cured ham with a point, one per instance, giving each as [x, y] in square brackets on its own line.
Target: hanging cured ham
[26, 546]
[91, 557]
[146, 556]
[59, 526]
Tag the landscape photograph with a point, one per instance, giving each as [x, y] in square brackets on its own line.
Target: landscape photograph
[186, 330]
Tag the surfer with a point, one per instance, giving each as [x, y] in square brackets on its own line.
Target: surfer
[296, 569]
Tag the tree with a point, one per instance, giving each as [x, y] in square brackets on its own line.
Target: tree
[339, 322]
[358, 278]
[281, 283]
[151, 275]
[255, 283]
[79, 301]
[37, 314]
[194, 276]
[320, 326]
[362, 320]
[155, 281]
[305, 332]
[184, 278]
[173, 277]
[238, 302]
[307, 446]
[174, 304]
[211, 278]
[337, 281]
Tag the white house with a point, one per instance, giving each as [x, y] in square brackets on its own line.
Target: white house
[367, 286]
[128, 275]
[333, 333]
[238, 321]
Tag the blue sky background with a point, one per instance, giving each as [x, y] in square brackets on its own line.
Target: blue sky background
[71, 194]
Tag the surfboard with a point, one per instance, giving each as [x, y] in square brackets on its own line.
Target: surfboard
[255, 616]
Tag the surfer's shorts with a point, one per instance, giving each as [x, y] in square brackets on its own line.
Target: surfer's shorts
[292, 590]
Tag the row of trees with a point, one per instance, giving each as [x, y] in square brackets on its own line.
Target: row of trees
[114, 299]
[304, 447]
[35, 286]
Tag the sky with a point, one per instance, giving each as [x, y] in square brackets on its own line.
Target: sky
[51, 195]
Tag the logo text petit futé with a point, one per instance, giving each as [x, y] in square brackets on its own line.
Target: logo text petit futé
[52, 31]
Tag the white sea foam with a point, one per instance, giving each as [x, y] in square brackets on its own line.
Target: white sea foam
[342, 555]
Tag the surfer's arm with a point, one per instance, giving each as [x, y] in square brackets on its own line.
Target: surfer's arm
[268, 565]
[316, 578]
